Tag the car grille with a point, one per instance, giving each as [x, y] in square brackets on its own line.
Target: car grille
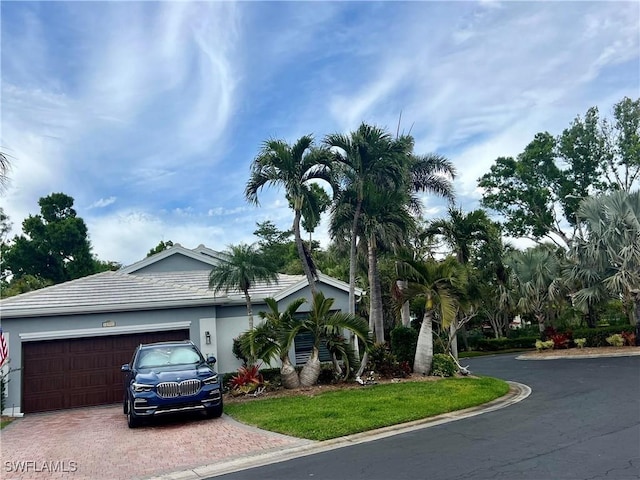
[175, 389]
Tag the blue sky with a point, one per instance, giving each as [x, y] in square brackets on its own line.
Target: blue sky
[149, 114]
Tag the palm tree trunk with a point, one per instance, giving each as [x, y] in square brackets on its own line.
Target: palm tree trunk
[352, 273]
[424, 349]
[375, 310]
[311, 370]
[352, 259]
[288, 374]
[453, 340]
[405, 312]
[249, 309]
[302, 254]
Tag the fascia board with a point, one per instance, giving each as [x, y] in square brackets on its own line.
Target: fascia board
[122, 307]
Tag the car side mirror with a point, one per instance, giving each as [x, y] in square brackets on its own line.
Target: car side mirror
[211, 359]
[125, 368]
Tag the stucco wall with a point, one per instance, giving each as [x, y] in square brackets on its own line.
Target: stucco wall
[91, 325]
[175, 263]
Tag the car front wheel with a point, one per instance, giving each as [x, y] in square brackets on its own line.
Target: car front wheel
[215, 412]
[132, 420]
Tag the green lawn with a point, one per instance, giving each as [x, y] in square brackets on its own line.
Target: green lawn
[344, 412]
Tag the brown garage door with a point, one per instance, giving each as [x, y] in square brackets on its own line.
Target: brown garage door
[80, 372]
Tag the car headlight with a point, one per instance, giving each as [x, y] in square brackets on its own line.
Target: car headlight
[141, 387]
[211, 380]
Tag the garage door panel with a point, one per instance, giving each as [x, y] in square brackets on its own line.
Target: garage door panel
[80, 372]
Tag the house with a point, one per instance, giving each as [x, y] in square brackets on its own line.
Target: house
[67, 342]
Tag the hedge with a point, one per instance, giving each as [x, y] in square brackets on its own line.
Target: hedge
[597, 337]
[495, 344]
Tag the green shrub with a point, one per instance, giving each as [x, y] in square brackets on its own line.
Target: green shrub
[597, 337]
[615, 340]
[540, 345]
[403, 343]
[443, 366]
[385, 363]
[580, 342]
[496, 344]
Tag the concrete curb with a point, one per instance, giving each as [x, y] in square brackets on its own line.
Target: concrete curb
[517, 393]
[578, 357]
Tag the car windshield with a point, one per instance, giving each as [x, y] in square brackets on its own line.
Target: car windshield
[163, 356]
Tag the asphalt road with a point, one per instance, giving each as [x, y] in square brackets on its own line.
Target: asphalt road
[582, 421]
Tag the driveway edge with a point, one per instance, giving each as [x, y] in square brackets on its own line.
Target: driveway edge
[517, 393]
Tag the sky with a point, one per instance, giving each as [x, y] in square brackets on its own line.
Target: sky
[149, 114]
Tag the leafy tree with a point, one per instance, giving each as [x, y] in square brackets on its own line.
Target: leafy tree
[293, 167]
[54, 245]
[276, 245]
[161, 247]
[243, 268]
[623, 144]
[539, 191]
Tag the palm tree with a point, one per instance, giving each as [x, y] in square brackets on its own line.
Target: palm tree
[5, 166]
[292, 167]
[275, 336]
[433, 283]
[537, 276]
[244, 265]
[323, 325]
[367, 156]
[461, 231]
[608, 256]
[271, 339]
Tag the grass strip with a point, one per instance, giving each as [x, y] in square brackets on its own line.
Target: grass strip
[345, 412]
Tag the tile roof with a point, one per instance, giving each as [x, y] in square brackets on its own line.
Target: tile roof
[117, 291]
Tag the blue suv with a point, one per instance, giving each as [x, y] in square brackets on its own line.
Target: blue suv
[170, 377]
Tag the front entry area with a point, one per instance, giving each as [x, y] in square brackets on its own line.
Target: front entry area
[80, 372]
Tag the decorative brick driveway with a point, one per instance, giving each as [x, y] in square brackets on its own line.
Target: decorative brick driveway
[95, 444]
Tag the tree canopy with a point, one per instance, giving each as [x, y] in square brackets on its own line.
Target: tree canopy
[54, 247]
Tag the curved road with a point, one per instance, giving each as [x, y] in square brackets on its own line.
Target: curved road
[582, 421]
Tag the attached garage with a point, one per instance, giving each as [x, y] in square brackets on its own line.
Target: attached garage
[80, 372]
[68, 341]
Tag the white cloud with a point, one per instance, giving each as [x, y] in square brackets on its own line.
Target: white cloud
[162, 105]
[103, 202]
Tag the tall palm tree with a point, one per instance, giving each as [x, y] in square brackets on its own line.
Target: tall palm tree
[433, 283]
[608, 256]
[244, 265]
[367, 156]
[292, 167]
[461, 231]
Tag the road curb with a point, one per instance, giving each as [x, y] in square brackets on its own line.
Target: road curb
[578, 357]
[517, 393]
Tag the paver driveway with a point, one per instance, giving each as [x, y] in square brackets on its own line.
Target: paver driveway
[97, 444]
